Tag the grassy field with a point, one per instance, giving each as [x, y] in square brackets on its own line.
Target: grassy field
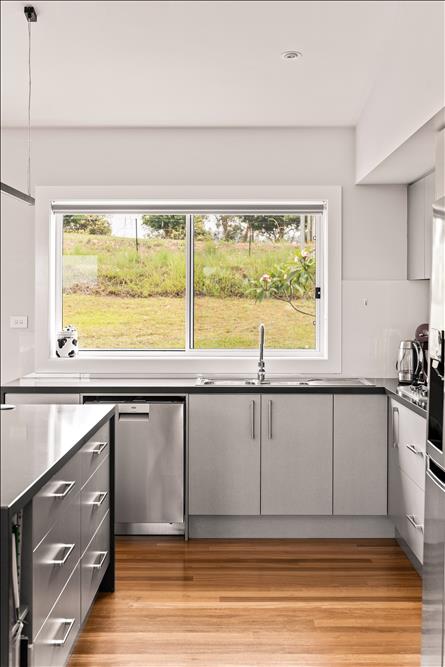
[158, 322]
[221, 268]
[120, 298]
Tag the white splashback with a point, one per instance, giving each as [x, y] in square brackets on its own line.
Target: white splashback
[373, 217]
[372, 332]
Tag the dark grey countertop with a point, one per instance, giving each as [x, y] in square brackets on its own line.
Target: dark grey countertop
[112, 385]
[390, 386]
[37, 440]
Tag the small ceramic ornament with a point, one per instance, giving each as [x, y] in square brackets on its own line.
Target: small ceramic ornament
[66, 344]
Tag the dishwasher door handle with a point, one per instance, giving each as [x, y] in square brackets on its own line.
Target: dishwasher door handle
[134, 412]
[134, 408]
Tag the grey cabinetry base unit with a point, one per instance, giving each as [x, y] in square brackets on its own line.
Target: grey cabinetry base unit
[310, 455]
[406, 486]
[360, 455]
[224, 454]
[296, 454]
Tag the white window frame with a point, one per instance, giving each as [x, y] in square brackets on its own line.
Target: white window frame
[326, 358]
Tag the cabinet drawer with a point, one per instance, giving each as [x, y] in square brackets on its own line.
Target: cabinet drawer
[94, 563]
[56, 638]
[54, 560]
[93, 453]
[408, 427]
[94, 502]
[412, 511]
[45, 399]
[51, 501]
[411, 460]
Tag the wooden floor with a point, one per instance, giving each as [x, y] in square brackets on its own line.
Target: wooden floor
[224, 603]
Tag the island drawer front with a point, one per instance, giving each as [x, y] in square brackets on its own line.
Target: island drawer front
[51, 501]
[94, 452]
[94, 502]
[412, 512]
[93, 564]
[62, 626]
[54, 560]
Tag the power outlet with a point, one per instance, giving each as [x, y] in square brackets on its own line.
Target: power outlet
[18, 321]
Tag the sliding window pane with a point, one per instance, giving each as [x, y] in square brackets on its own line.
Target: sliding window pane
[124, 280]
[250, 269]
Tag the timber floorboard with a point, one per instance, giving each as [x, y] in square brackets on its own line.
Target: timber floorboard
[255, 603]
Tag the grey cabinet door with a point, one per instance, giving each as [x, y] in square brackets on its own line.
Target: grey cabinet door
[416, 230]
[224, 454]
[360, 455]
[395, 496]
[296, 454]
[430, 187]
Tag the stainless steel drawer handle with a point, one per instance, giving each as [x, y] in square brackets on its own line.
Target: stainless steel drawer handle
[103, 557]
[395, 438]
[252, 419]
[415, 450]
[99, 447]
[62, 561]
[69, 622]
[100, 497]
[412, 519]
[269, 420]
[68, 487]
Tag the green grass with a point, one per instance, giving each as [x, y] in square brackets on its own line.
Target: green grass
[222, 269]
[158, 323]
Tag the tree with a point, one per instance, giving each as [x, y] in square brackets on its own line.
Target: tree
[288, 282]
[88, 223]
[167, 226]
[200, 232]
[273, 227]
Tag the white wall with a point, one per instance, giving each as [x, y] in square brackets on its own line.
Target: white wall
[17, 279]
[409, 89]
[374, 217]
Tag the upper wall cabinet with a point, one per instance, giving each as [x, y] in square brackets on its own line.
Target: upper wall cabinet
[420, 216]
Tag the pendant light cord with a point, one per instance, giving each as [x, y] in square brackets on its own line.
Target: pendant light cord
[29, 108]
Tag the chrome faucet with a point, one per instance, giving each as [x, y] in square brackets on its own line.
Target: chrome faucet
[261, 375]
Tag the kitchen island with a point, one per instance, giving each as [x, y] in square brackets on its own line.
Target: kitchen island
[57, 545]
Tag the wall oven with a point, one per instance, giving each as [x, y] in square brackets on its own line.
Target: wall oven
[433, 613]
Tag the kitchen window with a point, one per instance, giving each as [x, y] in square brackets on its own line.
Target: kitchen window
[197, 281]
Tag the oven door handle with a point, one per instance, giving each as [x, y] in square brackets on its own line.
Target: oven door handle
[436, 480]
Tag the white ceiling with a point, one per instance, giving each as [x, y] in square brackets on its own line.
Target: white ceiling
[194, 63]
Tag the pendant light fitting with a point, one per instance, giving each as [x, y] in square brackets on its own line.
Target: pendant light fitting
[30, 14]
[31, 17]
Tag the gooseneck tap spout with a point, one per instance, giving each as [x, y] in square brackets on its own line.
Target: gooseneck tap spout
[261, 375]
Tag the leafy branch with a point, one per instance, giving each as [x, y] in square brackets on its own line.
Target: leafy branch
[288, 282]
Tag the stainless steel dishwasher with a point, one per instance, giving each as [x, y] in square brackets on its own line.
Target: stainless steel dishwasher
[149, 465]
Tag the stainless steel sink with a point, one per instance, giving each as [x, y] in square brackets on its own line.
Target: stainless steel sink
[214, 382]
[340, 382]
[298, 382]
